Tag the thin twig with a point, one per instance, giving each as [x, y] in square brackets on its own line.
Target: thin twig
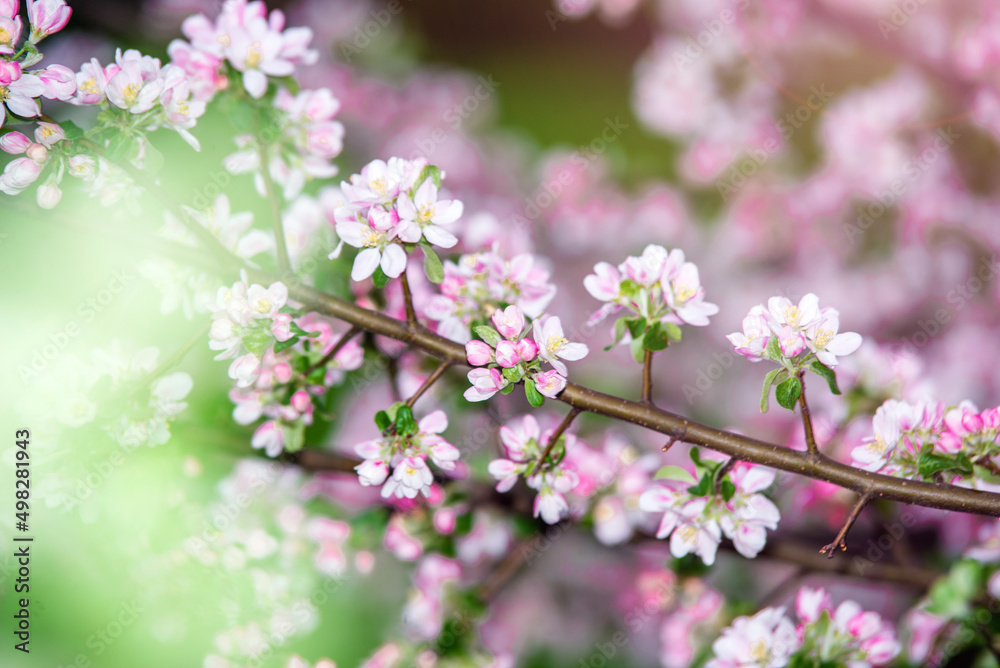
[647, 377]
[411, 314]
[722, 472]
[284, 263]
[341, 342]
[431, 379]
[807, 418]
[567, 421]
[840, 541]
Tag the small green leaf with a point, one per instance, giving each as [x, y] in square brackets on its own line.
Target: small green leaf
[432, 264]
[405, 424]
[765, 393]
[728, 489]
[695, 455]
[773, 350]
[507, 389]
[488, 334]
[656, 338]
[280, 346]
[379, 278]
[428, 172]
[788, 392]
[704, 486]
[671, 472]
[119, 147]
[638, 349]
[636, 326]
[535, 397]
[383, 421]
[827, 373]
[673, 331]
[513, 374]
[71, 129]
[621, 326]
[393, 409]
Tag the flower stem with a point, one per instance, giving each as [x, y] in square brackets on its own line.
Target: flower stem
[554, 438]
[431, 379]
[411, 314]
[284, 263]
[807, 424]
[647, 377]
[343, 341]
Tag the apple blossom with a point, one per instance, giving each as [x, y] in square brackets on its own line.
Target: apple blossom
[47, 17]
[553, 346]
[765, 640]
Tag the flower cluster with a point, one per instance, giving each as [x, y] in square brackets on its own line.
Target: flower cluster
[658, 289]
[398, 460]
[49, 148]
[524, 444]
[799, 338]
[695, 516]
[506, 356]
[307, 139]
[248, 320]
[926, 440]
[477, 282]
[847, 635]
[20, 90]
[391, 203]
[247, 38]
[425, 609]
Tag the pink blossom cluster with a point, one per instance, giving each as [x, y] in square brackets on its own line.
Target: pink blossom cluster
[424, 613]
[49, 147]
[657, 286]
[783, 331]
[247, 38]
[388, 204]
[476, 283]
[927, 440]
[291, 381]
[696, 519]
[505, 356]
[398, 461]
[523, 444]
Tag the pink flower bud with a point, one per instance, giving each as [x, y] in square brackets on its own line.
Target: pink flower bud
[245, 370]
[991, 418]
[478, 353]
[37, 152]
[791, 342]
[14, 143]
[281, 326]
[59, 82]
[507, 355]
[509, 322]
[18, 175]
[550, 383]
[972, 423]
[9, 8]
[810, 604]
[282, 372]
[445, 520]
[47, 17]
[302, 402]
[269, 437]
[48, 195]
[527, 349]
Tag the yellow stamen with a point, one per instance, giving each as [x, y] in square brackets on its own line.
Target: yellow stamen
[823, 337]
[556, 343]
[792, 315]
[371, 239]
[263, 305]
[89, 86]
[254, 55]
[682, 293]
[130, 94]
[758, 650]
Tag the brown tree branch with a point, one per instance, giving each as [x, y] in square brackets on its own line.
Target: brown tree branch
[841, 539]
[647, 377]
[554, 438]
[807, 423]
[431, 379]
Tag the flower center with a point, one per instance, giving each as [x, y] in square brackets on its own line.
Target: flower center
[426, 213]
[379, 186]
[254, 54]
[89, 86]
[47, 131]
[182, 108]
[758, 650]
[792, 315]
[371, 239]
[823, 337]
[411, 471]
[877, 447]
[4, 94]
[688, 533]
[556, 343]
[682, 293]
[130, 94]
[5, 37]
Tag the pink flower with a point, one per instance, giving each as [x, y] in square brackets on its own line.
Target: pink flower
[766, 640]
[372, 472]
[137, 86]
[10, 31]
[506, 354]
[478, 353]
[485, 383]
[281, 326]
[685, 295]
[409, 478]
[550, 505]
[553, 345]
[378, 250]
[21, 90]
[59, 82]
[810, 604]
[47, 17]
[425, 214]
[550, 383]
[823, 339]
[526, 349]
[264, 302]
[647, 269]
[18, 175]
[245, 370]
[509, 322]
[270, 437]
[92, 82]
[605, 283]
[756, 334]
[790, 341]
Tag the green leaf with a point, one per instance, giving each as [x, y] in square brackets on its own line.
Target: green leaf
[932, 462]
[656, 338]
[765, 393]
[488, 334]
[671, 472]
[280, 346]
[673, 331]
[535, 397]
[428, 172]
[118, 148]
[773, 350]
[621, 326]
[383, 421]
[405, 424]
[295, 437]
[704, 486]
[432, 264]
[379, 278]
[638, 349]
[513, 374]
[788, 392]
[507, 389]
[636, 326]
[71, 129]
[728, 489]
[827, 373]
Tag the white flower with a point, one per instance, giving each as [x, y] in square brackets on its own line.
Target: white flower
[553, 344]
